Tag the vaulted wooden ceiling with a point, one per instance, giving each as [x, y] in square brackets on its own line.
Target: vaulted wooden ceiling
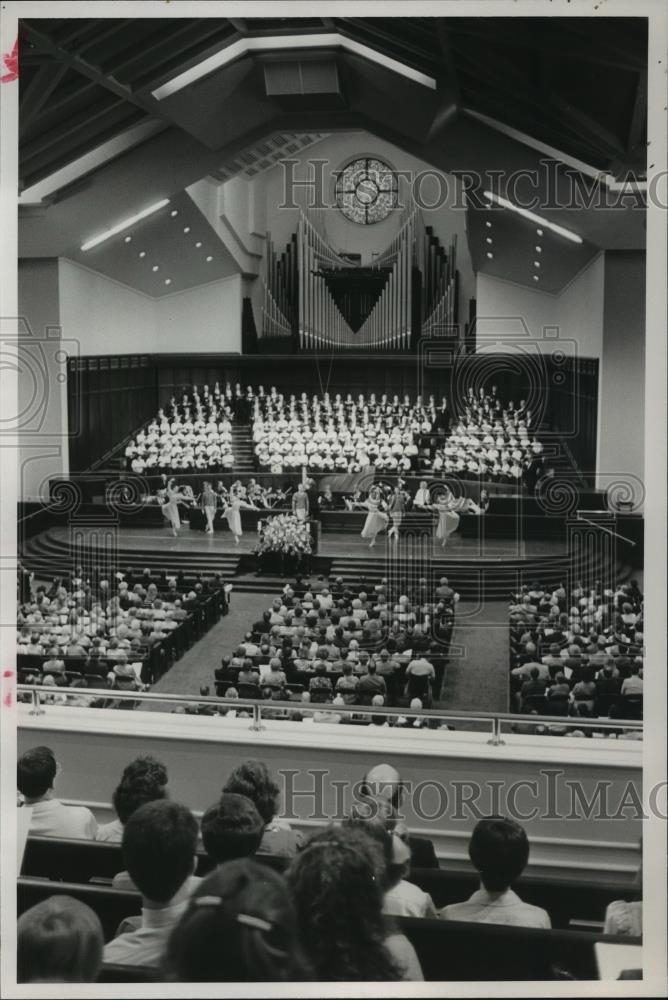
[575, 84]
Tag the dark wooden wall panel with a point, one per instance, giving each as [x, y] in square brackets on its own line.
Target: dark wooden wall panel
[114, 396]
[108, 398]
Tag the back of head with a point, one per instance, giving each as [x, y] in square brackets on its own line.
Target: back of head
[337, 885]
[133, 792]
[499, 850]
[59, 940]
[231, 828]
[252, 779]
[240, 926]
[159, 845]
[35, 772]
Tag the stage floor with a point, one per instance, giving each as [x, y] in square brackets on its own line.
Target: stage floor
[332, 545]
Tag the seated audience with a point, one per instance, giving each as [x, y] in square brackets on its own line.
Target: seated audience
[499, 851]
[240, 926]
[59, 940]
[159, 849]
[36, 773]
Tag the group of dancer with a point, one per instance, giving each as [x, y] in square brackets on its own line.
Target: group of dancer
[209, 501]
[388, 513]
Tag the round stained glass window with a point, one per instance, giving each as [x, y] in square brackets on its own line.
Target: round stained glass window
[366, 191]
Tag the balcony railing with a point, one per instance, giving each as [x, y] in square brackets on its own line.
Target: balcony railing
[487, 724]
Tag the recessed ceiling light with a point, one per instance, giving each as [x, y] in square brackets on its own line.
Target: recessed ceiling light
[208, 259]
[142, 253]
[538, 249]
[155, 268]
[198, 244]
[173, 213]
[128, 239]
[186, 229]
[526, 214]
[489, 240]
[536, 278]
[489, 225]
[168, 281]
[536, 263]
[490, 255]
[125, 224]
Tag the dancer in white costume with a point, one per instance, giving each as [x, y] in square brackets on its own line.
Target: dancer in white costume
[208, 501]
[376, 519]
[232, 514]
[397, 505]
[448, 520]
[170, 508]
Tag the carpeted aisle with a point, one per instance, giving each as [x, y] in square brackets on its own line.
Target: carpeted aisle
[195, 668]
[477, 679]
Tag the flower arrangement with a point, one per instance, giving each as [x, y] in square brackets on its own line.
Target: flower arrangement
[286, 536]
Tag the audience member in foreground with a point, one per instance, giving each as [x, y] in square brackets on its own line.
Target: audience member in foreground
[232, 828]
[337, 884]
[159, 847]
[143, 780]
[499, 850]
[59, 941]
[36, 773]
[240, 926]
[253, 780]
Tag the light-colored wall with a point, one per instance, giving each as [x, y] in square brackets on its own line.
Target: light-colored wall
[206, 319]
[622, 378]
[41, 360]
[104, 316]
[509, 315]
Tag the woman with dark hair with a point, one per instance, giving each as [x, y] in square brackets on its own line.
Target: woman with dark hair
[59, 940]
[252, 779]
[240, 926]
[337, 883]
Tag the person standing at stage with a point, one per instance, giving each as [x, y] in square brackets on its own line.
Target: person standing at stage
[170, 508]
[422, 497]
[376, 518]
[397, 507]
[300, 503]
[208, 501]
[232, 514]
[448, 520]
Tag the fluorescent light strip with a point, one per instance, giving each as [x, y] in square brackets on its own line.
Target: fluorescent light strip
[89, 161]
[245, 45]
[526, 214]
[125, 224]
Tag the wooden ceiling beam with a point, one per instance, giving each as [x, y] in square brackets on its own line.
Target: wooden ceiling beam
[38, 92]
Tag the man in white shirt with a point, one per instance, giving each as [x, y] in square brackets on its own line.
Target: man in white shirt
[36, 772]
[422, 498]
[159, 849]
[499, 850]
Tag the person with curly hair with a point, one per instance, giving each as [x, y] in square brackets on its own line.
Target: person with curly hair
[240, 926]
[143, 780]
[252, 779]
[338, 883]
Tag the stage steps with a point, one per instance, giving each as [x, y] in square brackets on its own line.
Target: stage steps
[242, 449]
[49, 555]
